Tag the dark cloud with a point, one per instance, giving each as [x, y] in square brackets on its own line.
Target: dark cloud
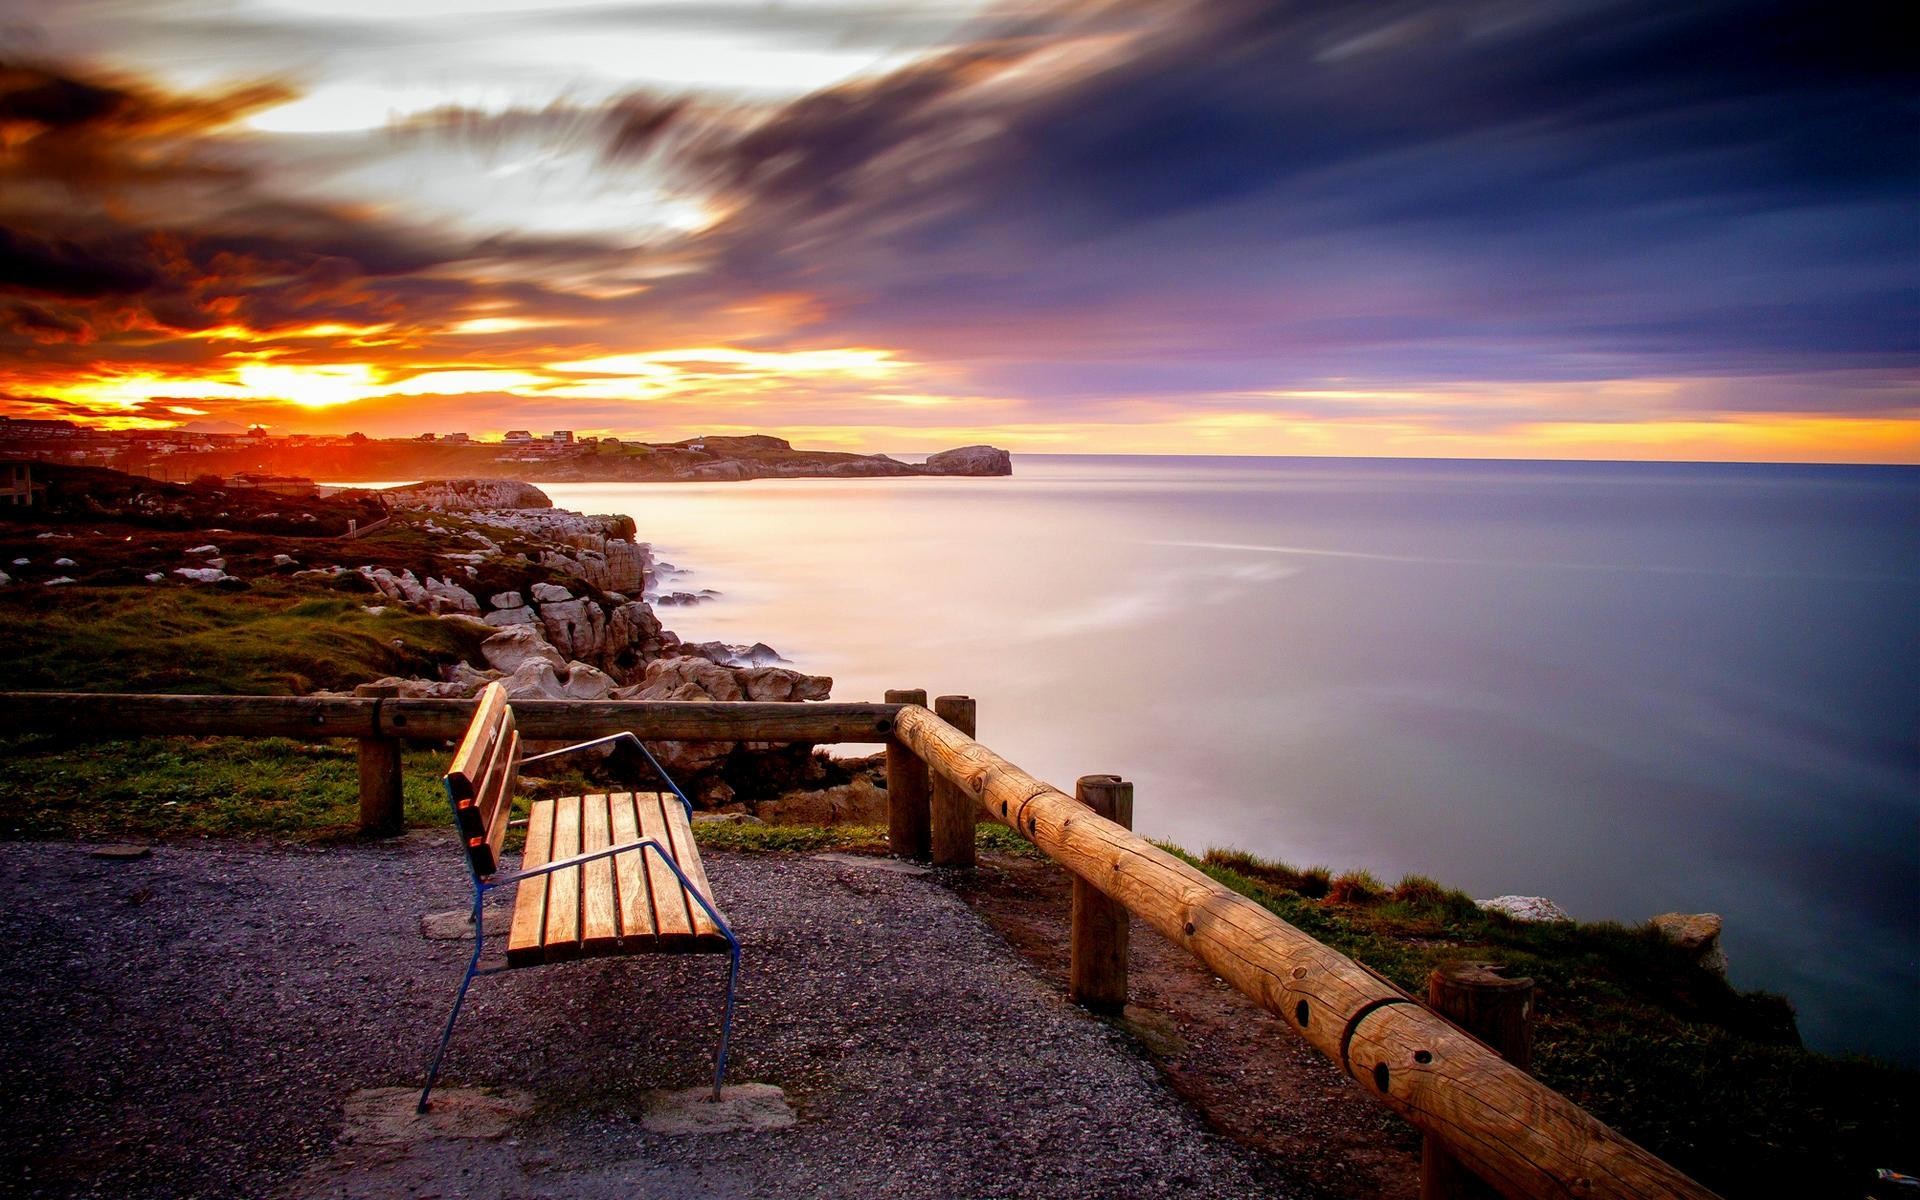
[1470, 189]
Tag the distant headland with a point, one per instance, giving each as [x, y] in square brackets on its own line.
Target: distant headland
[559, 456]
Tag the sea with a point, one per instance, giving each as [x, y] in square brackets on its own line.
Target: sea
[1633, 688]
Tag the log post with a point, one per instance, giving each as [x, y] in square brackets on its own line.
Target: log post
[954, 810]
[382, 802]
[908, 820]
[1498, 1011]
[1098, 942]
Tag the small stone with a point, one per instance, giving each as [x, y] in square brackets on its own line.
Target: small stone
[122, 851]
[64, 562]
[1696, 933]
[726, 818]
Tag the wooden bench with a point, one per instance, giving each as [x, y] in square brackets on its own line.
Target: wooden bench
[615, 873]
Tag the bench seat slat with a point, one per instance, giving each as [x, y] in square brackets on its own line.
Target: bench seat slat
[636, 901]
[599, 909]
[688, 856]
[563, 887]
[670, 920]
[526, 937]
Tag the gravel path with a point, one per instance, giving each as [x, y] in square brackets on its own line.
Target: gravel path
[192, 1023]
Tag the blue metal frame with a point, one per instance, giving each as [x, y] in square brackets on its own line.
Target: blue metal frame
[482, 885]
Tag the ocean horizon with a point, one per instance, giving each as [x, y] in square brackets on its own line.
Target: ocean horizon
[1630, 687]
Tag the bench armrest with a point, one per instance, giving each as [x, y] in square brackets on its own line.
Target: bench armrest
[624, 736]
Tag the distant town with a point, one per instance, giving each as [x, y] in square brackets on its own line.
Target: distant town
[135, 450]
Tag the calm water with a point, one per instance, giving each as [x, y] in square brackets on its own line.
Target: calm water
[1632, 688]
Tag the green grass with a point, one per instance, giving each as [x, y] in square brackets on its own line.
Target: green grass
[217, 787]
[275, 639]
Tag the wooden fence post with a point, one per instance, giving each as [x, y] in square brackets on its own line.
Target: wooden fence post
[954, 811]
[908, 819]
[382, 802]
[1498, 1011]
[1098, 942]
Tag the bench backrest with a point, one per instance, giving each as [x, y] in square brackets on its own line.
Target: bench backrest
[480, 783]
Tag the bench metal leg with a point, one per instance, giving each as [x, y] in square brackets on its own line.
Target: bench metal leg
[473, 969]
[726, 1019]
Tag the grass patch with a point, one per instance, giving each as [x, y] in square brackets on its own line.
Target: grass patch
[215, 787]
[275, 639]
[726, 835]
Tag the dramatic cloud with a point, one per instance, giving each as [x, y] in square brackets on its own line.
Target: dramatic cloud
[1473, 227]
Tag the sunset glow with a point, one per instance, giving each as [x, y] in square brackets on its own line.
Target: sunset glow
[884, 227]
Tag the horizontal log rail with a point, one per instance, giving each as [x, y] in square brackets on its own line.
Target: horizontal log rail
[1508, 1128]
[117, 715]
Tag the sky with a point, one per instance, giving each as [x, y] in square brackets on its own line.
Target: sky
[1541, 228]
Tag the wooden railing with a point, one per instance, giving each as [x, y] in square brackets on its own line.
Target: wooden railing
[1499, 1123]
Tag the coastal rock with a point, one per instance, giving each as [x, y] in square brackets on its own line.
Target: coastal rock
[402, 587]
[779, 683]
[468, 495]
[201, 574]
[518, 644]
[505, 600]
[1696, 933]
[585, 682]
[577, 627]
[446, 596]
[550, 593]
[634, 636]
[970, 460]
[856, 803]
[512, 616]
[534, 679]
[687, 678]
[470, 681]
[1526, 908]
[729, 655]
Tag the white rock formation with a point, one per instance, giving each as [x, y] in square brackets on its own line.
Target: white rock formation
[1526, 908]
